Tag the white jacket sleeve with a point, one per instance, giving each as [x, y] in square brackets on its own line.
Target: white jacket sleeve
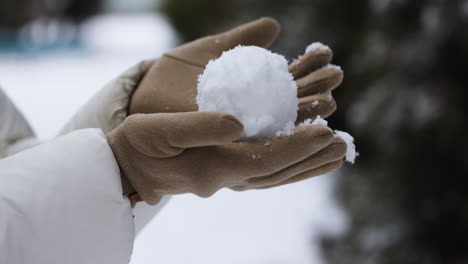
[15, 132]
[62, 202]
[108, 107]
[106, 110]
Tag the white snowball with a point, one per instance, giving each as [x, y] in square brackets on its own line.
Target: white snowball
[254, 85]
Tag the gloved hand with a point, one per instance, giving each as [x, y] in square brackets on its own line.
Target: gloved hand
[194, 152]
[170, 85]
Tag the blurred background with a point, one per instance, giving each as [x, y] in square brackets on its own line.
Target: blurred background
[403, 99]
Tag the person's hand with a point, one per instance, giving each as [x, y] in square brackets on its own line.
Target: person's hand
[195, 152]
[170, 85]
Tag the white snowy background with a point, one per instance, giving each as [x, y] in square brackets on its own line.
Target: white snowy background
[272, 226]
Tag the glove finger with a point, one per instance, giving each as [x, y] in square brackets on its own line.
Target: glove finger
[310, 62]
[214, 167]
[260, 32]
[322, 80]
[251, 159]
[329, 167]
[335, 151]
[168, 134]
[313, 106]
[162, 90]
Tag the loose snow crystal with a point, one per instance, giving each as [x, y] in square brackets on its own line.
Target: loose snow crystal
[318, 121]
[316, 46]
[287, 130]
[332, 66]
[254, 85]
[351, 153]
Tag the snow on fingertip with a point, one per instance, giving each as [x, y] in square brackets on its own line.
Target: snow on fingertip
[315, 46]
[254, 85]
[320, 121]
[351, 153]
[328, 95]
[332, 66]
[317, 121]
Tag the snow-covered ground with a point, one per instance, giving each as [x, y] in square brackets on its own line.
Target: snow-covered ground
[270, 226]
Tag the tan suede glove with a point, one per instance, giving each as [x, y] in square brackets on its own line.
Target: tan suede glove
[194, 152]
[170, 85]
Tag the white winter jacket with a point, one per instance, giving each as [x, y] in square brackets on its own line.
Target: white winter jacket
[61, 201]
[15, 132]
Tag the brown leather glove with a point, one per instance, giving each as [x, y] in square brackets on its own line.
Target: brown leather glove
[171, 83]
[194, 152]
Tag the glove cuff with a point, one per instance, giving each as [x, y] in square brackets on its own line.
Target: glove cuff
[127, 187]
[108, 108]
[132, 176]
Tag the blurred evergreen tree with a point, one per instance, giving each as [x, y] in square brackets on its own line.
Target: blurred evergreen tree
[16, 13]
[79, 10]
[18, 16]
[403, 98]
